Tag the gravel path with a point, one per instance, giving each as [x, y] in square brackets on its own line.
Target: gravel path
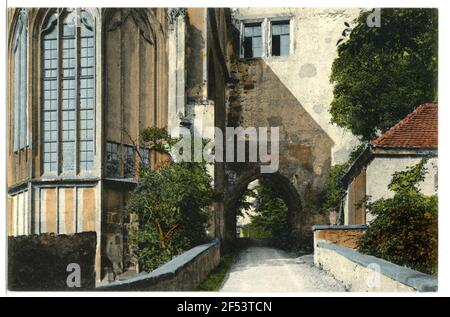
[265, 269]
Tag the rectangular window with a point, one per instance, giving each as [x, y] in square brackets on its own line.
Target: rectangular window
[280, 38]
[112, 159]
[252, 40]
[145, 157]
[128, 171]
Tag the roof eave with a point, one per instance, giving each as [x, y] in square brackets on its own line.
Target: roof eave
[403, 150]
[372, 151]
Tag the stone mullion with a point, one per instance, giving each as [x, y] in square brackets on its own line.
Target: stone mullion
[59, 87]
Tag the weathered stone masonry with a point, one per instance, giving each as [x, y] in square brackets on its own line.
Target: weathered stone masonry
[293, 93]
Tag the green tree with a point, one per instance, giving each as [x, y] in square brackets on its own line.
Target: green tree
[382, 73]
[269, 216]
[171, 205]
[245, 203]
[405, 228]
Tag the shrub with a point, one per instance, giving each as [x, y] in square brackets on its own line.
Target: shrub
[333, 191]
[252, 230]
[39, 262]
[405, 230]
[171, 205]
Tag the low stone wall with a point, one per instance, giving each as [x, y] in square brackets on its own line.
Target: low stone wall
[346, 236]
[183, 273]
[365, 273]
[40, 262]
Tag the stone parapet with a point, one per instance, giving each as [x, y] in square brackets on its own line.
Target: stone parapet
[183, 273]
[365, 273]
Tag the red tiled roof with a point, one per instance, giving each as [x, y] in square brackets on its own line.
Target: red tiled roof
[419, 129]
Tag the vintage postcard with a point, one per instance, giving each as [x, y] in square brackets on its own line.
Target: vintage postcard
[222, 149]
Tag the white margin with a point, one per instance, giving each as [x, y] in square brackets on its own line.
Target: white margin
[444, 133]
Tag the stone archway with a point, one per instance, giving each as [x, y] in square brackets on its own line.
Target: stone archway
[260, 98]
[283, 187]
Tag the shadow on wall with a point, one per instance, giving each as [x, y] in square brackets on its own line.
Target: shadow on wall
[195, 48]
[260, 99]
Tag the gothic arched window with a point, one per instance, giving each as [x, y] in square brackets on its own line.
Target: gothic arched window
[68, 90]
[20, 139]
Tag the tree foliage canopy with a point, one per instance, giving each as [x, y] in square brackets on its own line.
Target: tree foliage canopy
[382, 73]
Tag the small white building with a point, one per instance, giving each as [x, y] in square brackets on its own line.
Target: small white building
[402, 146]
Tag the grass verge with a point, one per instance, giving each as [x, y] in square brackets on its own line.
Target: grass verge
[215, 279]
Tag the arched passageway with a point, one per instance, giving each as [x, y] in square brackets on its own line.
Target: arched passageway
[281, 186]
